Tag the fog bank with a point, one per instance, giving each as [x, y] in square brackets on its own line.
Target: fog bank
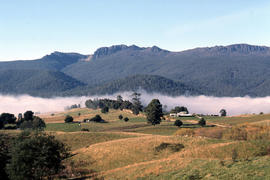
[195, 104]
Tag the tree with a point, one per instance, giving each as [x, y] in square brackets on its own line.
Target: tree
[154, 112]
[68, 119]
[7, 118]
[223, 112]
[120, 117]
[119, 98]
[105, 109]
[178, 123]
[126, 119]
[202, 122]
[36, 156]
[28, 116]
[137, 105]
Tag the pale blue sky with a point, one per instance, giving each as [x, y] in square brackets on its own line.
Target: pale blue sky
[32, 28]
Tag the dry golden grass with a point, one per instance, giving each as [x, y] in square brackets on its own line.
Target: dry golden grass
[123, 157]
[167, 163]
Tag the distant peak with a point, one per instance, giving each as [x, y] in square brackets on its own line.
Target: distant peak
[156, 49]
[104, 51]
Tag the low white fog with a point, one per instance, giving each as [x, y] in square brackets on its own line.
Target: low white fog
[195, 104]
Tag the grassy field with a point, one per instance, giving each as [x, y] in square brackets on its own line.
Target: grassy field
[235, 148]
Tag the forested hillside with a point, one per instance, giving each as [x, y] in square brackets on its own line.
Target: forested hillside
[36, 82]
[235, 70]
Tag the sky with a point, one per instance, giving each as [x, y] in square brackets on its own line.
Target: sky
[30, 29]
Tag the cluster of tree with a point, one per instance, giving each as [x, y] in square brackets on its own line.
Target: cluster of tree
[119, 103]
[29, 121]
[25, 121]
[178, 109]
[31, 155]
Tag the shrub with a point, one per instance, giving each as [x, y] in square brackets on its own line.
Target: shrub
[68, 119]
[178, 123]
[120, 117]
[84, 129]
[174, 147]
[126, 119]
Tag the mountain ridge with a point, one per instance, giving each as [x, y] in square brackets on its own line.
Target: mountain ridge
[234, 70]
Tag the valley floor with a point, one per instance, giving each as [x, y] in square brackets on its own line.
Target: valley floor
[137, 150]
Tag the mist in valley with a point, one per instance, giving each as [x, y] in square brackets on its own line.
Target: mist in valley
[195, 104]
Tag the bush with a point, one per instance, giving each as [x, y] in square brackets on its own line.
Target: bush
[178, 123]
[174, 147]
[120, 117]
[84, 129]
[126, 119]
[202, 122]
[68, 119]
